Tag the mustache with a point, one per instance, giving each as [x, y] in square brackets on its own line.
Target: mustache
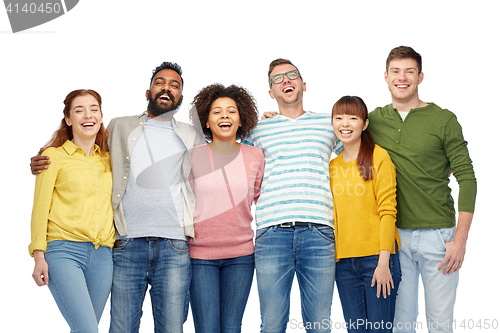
[165, 92]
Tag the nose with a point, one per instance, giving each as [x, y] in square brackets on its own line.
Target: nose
[285, 79]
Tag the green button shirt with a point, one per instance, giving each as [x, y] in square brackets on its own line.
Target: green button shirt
[424, 147]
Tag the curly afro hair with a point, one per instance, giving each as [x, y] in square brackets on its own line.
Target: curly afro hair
[245, 102]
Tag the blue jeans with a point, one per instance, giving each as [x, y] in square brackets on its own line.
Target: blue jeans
[422, 250]
[363, 311]
[280, 253]
[219, 293]
[164, 265]
[79, 280]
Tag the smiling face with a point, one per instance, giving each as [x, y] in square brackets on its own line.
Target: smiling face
[165, 93]
[403, 78]
[224, 120]
[85, 117]
[348, 128]
[289, 92]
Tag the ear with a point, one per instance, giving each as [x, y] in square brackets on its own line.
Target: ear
[68, 121]
[385, 77]
[304, 86]
[420, 77]
[366, 124]
[271, 93]
[147, 94]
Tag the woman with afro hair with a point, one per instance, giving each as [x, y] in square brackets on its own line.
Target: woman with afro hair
[226, 177]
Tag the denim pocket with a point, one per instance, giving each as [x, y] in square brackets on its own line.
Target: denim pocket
[120, 244]
[55, 244]
[260, 233]
[326, 232]
[178, 245]
[445, 235]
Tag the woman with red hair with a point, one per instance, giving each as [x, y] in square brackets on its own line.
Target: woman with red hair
[72, 231]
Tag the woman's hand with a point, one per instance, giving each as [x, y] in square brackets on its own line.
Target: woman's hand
[382, 275]
[41, 270]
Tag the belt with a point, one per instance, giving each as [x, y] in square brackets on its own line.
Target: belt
[298, 224]
[152, 239]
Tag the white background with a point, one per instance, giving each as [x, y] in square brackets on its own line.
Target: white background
[339, 47]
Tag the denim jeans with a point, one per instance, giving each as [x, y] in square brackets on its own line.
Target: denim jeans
[363, 311]
[308, 252]
[422, 250]
[162, 264]
[219, 293]
[79, 280]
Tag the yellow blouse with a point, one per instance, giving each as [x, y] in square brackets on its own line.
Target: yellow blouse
[73, 199]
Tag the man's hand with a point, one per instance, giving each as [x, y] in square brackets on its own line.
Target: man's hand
[455, 250]
[454, 258]
[269, 114]
[39, 162]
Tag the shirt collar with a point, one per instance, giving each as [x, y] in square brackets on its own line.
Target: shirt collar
[71, 148]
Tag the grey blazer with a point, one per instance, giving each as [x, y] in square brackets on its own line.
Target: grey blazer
[123, 135]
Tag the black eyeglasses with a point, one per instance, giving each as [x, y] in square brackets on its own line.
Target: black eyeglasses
[278, 78]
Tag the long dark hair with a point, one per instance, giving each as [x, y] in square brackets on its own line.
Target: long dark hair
[65, 132]
[353, 105]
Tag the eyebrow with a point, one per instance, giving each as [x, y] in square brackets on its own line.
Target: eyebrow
[392, 68]
[165, 79]
[220, 107]
[81, 106]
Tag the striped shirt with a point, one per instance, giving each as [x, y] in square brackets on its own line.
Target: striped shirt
[296, 184]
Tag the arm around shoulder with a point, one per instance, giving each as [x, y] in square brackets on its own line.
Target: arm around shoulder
[39, 162]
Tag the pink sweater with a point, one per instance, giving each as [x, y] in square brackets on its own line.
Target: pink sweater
[225, 186]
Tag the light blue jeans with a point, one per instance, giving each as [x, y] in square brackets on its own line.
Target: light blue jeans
[80, 281]
[162, 264]
[282, 252]
[422, 250]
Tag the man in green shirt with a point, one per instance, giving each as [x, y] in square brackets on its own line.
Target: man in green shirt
[425, 142]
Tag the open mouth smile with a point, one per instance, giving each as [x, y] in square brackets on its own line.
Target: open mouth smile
[225, 125]
[165, 96]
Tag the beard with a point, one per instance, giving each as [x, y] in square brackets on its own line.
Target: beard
[157, 109]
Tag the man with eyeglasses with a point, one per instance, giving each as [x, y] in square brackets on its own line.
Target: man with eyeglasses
[294, 213]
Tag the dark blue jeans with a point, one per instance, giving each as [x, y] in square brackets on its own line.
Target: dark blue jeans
[363, 311]
[163, 264]
[219, 293]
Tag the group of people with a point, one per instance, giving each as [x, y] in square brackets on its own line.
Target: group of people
[155, 203]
